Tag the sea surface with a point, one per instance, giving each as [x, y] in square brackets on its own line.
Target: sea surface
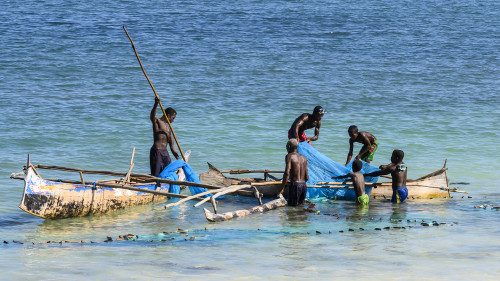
[422, 76]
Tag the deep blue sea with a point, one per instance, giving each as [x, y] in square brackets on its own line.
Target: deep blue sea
[422, 76]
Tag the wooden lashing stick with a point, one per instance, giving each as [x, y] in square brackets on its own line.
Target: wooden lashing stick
[81, 177]
[28, 165]
[127, 176]
[257, 194]
[214, 204]
[152, 87]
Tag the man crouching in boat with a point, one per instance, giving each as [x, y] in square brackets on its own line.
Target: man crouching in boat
[158, 155]
[398, 171]
[304, 122]
[358, 181]
[296, 170]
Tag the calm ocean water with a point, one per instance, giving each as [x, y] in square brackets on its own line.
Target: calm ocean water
[421, 76]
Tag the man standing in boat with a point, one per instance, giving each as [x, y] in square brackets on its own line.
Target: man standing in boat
[158, 155]
[304, 122]
[398, 171]
[296, 170]
[370, 144]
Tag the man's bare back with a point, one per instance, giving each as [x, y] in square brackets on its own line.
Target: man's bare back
[296, 171]
[297, 164]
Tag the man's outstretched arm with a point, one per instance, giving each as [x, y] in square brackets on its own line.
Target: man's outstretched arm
[387, 170]
[153, 111]
[349, 155]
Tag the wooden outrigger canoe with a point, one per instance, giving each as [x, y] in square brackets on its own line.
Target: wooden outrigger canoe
[57, 198]
[433, 185]
[51, 199]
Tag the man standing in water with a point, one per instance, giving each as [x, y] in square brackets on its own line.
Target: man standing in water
[398, 171]
[370, 144]
[358, 181]
[158, 155]
[296, 170]
[304, 122]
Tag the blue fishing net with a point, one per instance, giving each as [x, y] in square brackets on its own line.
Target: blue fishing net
[169, 173]
[322, 169]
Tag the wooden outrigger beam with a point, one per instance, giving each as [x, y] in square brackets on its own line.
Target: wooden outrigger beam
[280, 202]
[143, 177]
[251, 171]
[433, 173]
[112, 185]
[409, 183]
[96, 172]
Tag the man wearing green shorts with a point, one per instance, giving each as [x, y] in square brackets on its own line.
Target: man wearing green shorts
[358, 181]
[370, 144]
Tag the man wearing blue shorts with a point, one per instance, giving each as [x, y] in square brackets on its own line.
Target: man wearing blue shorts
[398, 171]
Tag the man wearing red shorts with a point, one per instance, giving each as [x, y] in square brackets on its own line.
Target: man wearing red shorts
[304, 122]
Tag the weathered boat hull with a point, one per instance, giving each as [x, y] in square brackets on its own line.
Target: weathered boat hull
[271, 189]
[49, 199]
[419, 188]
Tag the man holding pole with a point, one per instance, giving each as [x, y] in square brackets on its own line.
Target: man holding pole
[158, 155]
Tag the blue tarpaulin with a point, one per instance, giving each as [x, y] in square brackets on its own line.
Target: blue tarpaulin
[322, 169]
[169, 173]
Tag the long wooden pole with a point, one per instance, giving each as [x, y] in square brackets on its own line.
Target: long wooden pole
[250, 171]
[139, 177]
[113, 185]
[152, 87]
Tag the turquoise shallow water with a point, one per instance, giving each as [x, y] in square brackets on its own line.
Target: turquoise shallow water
[422, 77]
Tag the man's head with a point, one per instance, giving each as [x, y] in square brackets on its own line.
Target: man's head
[318, 112]
[171, 114]
[357, 165]
[353, 131]
[397, 156]
[292, 145]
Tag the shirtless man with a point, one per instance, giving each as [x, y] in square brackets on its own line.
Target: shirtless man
[304, 122]
[158, 155]
[358, 181]
[398, 171]
[370, 144]
[296, 170]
